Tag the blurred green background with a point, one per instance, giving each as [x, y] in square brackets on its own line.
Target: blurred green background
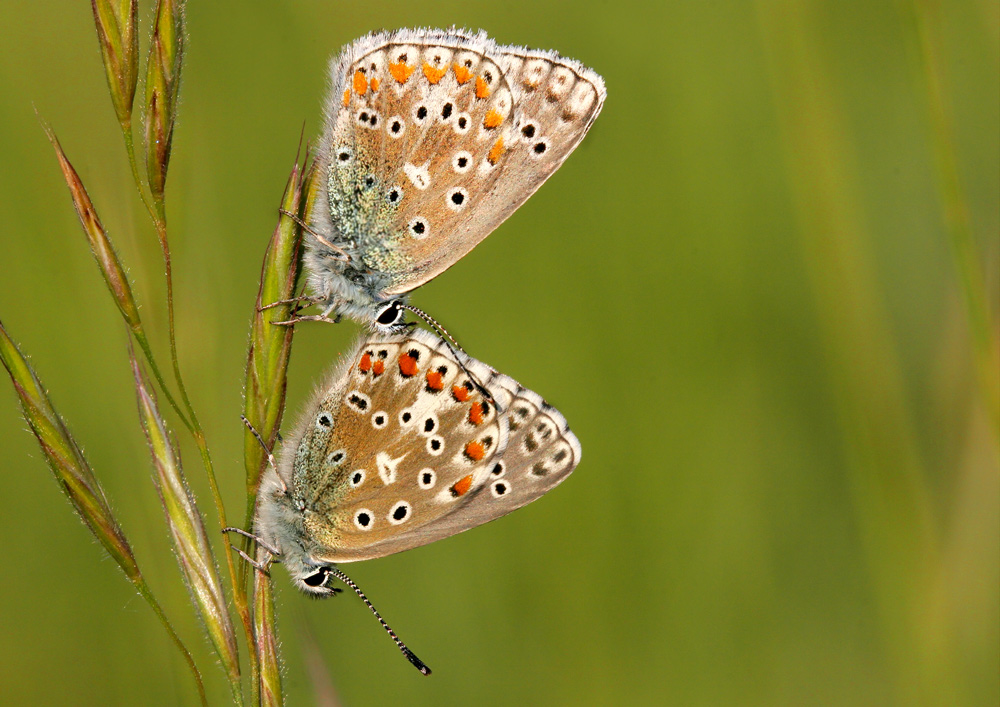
[741, 291]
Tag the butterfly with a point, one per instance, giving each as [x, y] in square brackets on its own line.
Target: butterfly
[398, 449]
[432, 139]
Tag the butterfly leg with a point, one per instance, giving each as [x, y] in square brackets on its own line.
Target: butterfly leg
[309, 318]
[299, 302]
[262, 566]
[339, 253]
[239, 531]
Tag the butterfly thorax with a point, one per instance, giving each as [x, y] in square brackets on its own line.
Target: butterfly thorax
[355, 286]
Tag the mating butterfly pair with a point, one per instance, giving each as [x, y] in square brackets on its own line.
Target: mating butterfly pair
[433, 138]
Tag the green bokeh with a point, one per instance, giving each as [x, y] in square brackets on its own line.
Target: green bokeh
[740, 290]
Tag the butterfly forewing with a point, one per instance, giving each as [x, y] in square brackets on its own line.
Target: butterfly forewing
[439, 137]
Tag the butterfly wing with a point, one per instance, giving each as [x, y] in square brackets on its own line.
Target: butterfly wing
[436, 137]
[541, 452]
[402, 450]
[393, 445]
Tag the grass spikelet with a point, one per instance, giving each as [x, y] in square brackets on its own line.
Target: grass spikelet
[117, 24]
[163, 75]
[187, 530]
[100, 243]
[270, 345]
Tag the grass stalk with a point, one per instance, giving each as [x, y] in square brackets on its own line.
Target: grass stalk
[264, 404]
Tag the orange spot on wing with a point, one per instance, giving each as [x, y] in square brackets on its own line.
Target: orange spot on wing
[496, 152]
[360, 83]
[492, 119]
[374, 83]
[476, 413]
[460, 392]
[400, 71]
[407, 365]
[434, 381]
[434, 75]
[475, 450]
[462, 486]
[366, 363]
[347, 97]
[482, 89]
[462, 73]
[378, 368]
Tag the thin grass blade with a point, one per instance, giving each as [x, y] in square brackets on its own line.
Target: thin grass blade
[163, 75]
[117, 33]
[78, 482]
[187, 529]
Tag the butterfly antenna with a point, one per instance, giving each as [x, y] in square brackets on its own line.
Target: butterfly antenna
[453, 346]
[433, 322]
[417, 663]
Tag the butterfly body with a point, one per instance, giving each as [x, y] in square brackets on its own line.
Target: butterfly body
[400, 449]
[433, 138]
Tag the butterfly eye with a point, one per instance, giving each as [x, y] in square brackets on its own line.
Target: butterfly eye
[426, 478]
[363, 519]
[394, 195]
[357, 478]
[324, 420]
[369, 181]
[405, 417]
[499, 488]
[380, 420]
[420, 115]
[390, 315]
[430, 424]
[317, 579]
[399, 513]
[446, 110]
[462, 122]
[528, 131]
[498, 469]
